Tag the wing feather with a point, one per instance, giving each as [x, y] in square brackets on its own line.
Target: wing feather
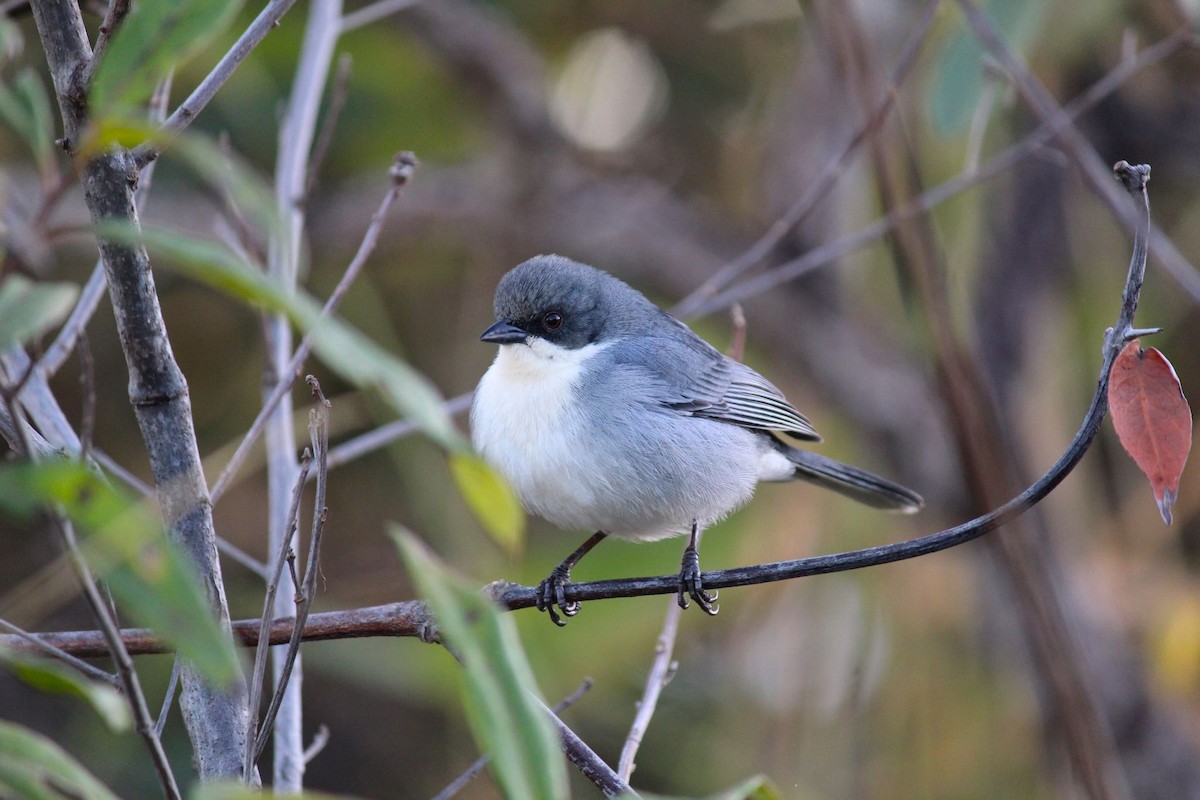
[700, 381]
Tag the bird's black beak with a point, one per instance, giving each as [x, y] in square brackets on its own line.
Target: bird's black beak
[504, 332]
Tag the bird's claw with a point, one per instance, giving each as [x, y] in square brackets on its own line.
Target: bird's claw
[553, 592]
[691, 585]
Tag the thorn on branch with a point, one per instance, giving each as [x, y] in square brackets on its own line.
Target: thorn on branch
[1137, 333]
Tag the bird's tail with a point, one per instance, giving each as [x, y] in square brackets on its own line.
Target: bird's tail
[851, 481]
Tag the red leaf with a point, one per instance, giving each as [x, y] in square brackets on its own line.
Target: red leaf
[1152, 419]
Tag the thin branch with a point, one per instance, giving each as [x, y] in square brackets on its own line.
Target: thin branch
[50, 650]
[318, 427]
[319, 740]
[588, 763]
[926, 201]
[183, 116]
[480, 764]
[400, 173]
[819, 188]
[373, 13]
[661, 672]
[168, 698]
[117, 9]
[260, 656]
[122, 661]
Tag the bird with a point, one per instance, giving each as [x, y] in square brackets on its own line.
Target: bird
[605, 413]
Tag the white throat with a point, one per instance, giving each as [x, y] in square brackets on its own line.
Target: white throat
[522, 423]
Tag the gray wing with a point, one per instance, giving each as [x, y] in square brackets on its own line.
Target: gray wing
[695, 379]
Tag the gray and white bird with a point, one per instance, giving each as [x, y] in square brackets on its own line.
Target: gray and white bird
[605, 413]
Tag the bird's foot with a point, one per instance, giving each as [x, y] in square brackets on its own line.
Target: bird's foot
[691, 585]
[552, 592]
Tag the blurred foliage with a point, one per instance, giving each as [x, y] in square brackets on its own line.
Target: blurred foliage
[904, 682]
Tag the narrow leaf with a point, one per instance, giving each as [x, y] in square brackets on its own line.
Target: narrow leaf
[151, 579]
[155, 36]
[501, 697]
[1152, 419]
[28, 309]
[490, 498]
[56, 678]
[35, 768]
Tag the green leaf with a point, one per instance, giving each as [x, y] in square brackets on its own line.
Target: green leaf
[501, 698]
[958, 82]
[28, 309]
[50, 676]
[150, 577]
[490, 498]
[34, 768]
[154, 37]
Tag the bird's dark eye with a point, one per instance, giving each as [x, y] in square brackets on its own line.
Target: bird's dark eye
[552, 320]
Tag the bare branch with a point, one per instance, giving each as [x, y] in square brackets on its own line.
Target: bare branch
[320, 739]
[260, 656]
[588, 763]
[168, 698]
[117, 9]
[318, 427]
[661, 672]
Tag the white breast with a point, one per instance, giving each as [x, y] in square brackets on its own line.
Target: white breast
[522, 424]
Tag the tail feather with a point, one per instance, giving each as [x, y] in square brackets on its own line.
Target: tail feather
[852, 482]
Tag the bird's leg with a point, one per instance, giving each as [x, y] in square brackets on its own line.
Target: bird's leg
[552, 591]
[689, 577]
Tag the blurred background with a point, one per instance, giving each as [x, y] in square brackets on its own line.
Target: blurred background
[957, 356]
